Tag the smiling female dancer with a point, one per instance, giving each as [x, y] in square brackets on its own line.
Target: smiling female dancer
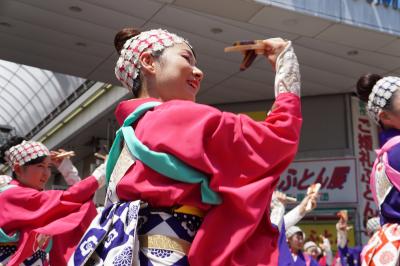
[190, 184]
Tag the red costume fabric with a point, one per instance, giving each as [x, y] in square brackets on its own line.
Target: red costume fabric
[243, 159]
[64, 215]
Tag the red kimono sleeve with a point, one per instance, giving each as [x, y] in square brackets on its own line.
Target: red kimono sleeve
[247, 159]
[60, 214]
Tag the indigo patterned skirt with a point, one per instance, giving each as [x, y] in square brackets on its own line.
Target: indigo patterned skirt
[126, 234]
[39, 258]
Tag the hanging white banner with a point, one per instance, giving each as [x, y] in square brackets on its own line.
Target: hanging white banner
[365, 143]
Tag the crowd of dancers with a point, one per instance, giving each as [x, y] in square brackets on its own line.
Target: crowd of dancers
[188, 184]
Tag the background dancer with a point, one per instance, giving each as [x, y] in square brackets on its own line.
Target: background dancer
[295, 237]
[383, 106]
[34, 222]
[289, 249]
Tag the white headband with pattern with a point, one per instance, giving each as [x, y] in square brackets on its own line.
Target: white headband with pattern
[128, 66]
[25, 152]
[380, 96]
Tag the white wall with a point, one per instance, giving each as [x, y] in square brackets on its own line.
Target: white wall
[326, 131]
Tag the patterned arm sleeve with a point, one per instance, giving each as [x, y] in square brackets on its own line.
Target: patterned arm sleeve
[287, 77]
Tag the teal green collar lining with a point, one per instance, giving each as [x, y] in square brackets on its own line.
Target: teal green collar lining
[163, 163]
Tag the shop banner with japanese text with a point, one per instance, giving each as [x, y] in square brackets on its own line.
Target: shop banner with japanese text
[365, 142]
[336, 176]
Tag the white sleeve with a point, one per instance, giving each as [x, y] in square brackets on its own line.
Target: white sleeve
[293, 217]
[69, 172]
[4, 180]
[328, 251]
[341, 237]
[287, 78]
[277, 212]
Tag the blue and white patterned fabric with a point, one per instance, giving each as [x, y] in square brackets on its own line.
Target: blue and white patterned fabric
[175, 225]
[112, 238]
[39, 258]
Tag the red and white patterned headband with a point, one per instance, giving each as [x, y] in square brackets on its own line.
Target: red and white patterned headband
[128, 67]
[25, 152]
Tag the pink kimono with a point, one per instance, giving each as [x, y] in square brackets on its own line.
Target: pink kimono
[64, 215]
[243, 160]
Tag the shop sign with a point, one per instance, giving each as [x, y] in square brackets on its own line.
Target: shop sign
[336, 176]
[365, 143]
